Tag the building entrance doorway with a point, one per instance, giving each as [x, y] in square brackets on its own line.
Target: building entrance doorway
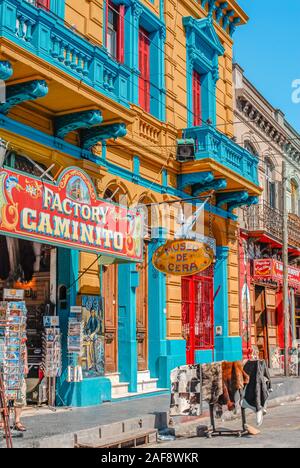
[198, 313]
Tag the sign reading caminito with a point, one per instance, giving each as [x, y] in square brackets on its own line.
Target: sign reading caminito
[183, 257]
[68, 214]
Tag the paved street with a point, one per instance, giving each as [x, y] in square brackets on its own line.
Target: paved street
[42, 423]
[281, 429]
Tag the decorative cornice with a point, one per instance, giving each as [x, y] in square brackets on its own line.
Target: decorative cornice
[223, 13]
[237, 204]
[66, 124]
[272, 130]
[198, 178]
[23, 92]
[215, 185]
[6, 70]
[204, 29]
[231, 197]
[91, 137]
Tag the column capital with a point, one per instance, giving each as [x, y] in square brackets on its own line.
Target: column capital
[222, 252]
[159, 234]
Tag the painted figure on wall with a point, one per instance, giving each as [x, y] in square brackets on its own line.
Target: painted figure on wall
[93, 348]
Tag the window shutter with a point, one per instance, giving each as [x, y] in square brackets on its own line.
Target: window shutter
[144, 67]
[197, 98]
[121, 33]
[279, 194]
[45, 4]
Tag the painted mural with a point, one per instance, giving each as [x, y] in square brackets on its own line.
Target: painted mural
[93, 336]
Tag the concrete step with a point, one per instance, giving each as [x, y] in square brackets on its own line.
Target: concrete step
[118, 388]
[147, 385]
[129, 396]
[143, 376]
[114, 378]
[145, 382]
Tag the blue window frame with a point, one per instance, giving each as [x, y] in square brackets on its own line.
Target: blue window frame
[203, 51]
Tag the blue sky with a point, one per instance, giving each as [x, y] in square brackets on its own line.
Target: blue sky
[268, 48]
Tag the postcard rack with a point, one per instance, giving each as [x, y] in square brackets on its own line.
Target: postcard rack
[4, 411]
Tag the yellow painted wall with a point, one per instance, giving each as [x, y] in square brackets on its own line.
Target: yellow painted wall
[153, 141]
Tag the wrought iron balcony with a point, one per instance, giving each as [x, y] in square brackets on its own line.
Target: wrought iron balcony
[212, 144]
[264, 218]
[47, 37]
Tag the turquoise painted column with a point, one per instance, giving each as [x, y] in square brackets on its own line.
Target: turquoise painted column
[157, 308]
[92, 391]
[128, 359]
[67, 273]
[221, 289]
[58, 7]
[164, 354]
[132, 51]
[226, 347]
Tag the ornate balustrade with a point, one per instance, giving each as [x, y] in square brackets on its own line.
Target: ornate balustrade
[270, 220]
[47, 37]
[212, 144]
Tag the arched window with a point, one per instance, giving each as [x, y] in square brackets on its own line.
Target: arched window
[250, 147]
[270, 188]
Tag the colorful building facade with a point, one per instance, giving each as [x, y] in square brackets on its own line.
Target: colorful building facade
[109, 87]
[264, 131]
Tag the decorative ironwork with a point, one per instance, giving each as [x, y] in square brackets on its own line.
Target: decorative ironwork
[265, 218]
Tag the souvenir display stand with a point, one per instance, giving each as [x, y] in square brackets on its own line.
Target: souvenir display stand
[4, 412]
[75, 345]
[52, 356]
[12, 352]
[214, 432]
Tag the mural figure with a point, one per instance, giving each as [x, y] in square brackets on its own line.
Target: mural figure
[93, 340]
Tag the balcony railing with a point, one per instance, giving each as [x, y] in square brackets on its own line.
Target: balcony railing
[47, 37]
[269, 220]
[210, 143]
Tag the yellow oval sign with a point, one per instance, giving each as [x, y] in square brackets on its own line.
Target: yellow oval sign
[183, 257]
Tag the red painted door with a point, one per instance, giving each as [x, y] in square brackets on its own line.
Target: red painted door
[144, 67]
[197, 99]
[197, 314]
[45, 4]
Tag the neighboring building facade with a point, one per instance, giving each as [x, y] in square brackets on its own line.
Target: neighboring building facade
[108, 87]
[263, 130]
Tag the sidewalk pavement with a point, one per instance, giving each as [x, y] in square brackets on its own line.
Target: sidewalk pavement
[44, 424]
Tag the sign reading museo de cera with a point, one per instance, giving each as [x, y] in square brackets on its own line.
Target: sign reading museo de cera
[68, 214]
[183, 257]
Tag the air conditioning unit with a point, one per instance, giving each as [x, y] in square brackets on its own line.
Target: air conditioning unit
[185, 150]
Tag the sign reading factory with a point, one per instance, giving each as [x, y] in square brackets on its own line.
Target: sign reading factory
[183, 257]
[68, 214]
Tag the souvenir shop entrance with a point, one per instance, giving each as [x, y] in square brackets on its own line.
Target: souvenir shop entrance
[67, 215]
[297, 318]
[31, 268]
[265, 321]
[198, 313]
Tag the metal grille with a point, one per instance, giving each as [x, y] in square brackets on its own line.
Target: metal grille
[267, 219]
[198, 313]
